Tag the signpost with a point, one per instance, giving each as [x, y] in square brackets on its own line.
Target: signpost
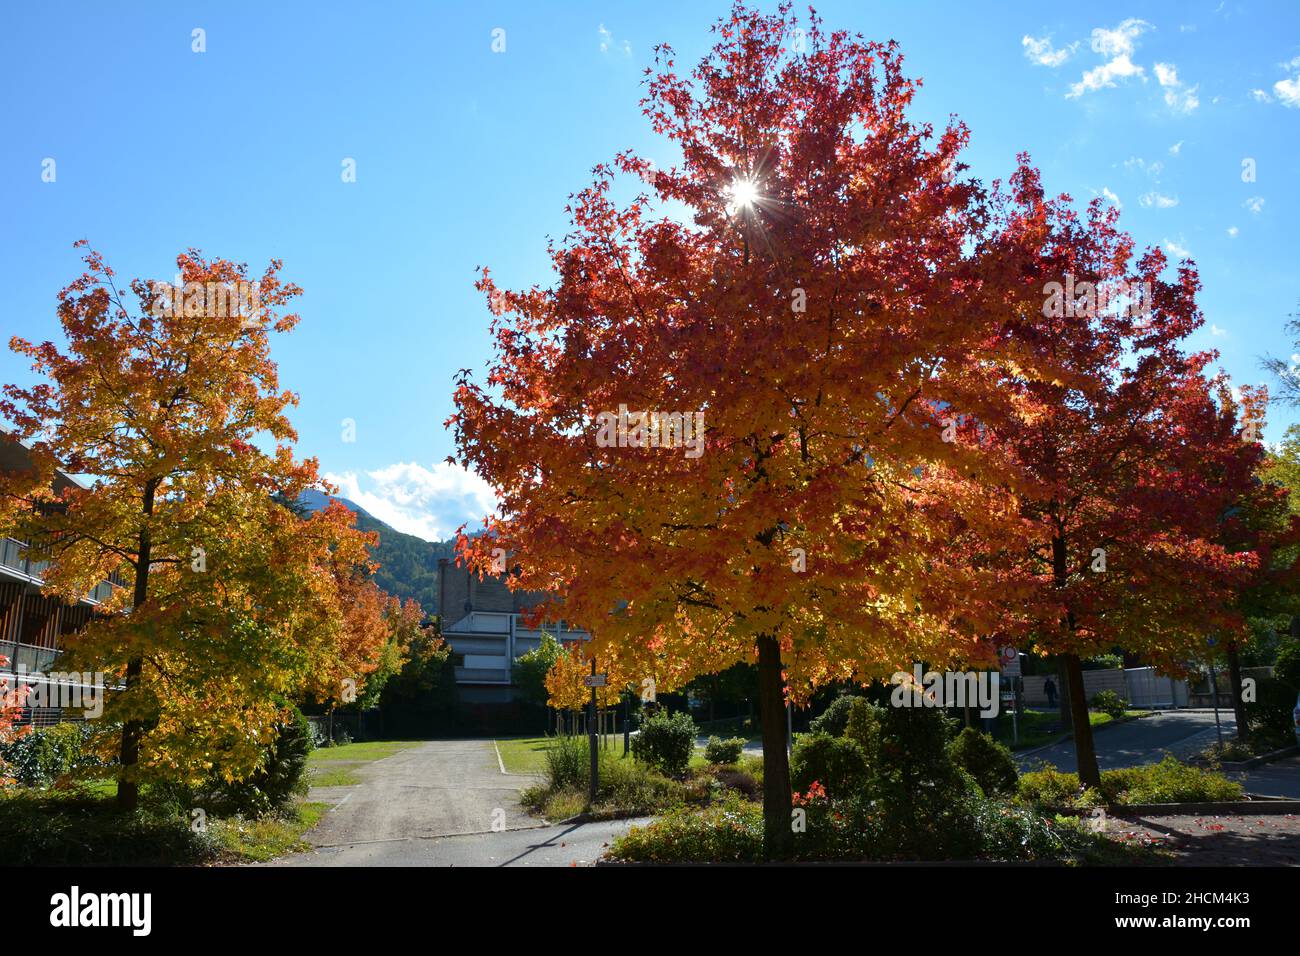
[1214, 692]
[594, 681]
[1009, 658]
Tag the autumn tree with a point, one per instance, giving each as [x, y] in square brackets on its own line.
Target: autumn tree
[166, 396]
[722, 435]
[1128, 462]
[13, 696]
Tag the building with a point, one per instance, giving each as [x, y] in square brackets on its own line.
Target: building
[34, 627]
[481, 620]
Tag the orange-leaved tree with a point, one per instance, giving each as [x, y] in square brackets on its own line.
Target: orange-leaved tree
[165, 395]
[740, 425]
[1128, 462]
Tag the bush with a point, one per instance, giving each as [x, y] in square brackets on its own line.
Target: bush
[1050, 787]
[568, 762]
[724, 751]
[1168, 781]
[836, 762]
[1287, 666]
[863, 728]
[47, 754]
[666, 742]
[835, 717]
[729, 833]
[1109, 702]
[1269, 716]
[626, 787]
[988, 761]
[45, 828]
[268, 790]
[732, 832]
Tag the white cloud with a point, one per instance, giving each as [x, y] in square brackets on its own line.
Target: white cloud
[1121, 41]
[1288, 91]
[1040, 52]
[430, 503]
[1153, 169]
[1177, 249]
[607, 42]
[1232, 232]
[1159, 200]
[1105, 191]
[1118, 46]
[1177, 148]
[1179, 97]
[1255, 204]
[1216, 331]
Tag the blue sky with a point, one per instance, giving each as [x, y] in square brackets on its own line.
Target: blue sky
[464, 157]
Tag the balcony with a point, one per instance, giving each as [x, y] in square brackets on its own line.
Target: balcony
[13, 563]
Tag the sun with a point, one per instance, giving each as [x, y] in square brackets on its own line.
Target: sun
[742, 194]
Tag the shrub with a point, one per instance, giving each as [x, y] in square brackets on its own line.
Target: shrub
[568, 762]
[45, 828]
[1168, 781]
[1269, 716]
[724, 751]
[836, 762]
[625, 787]
[988, 761]
[729, 833]
[835, 717]
[269, 789]
[1052, 788]
[1109, 702]
[1287, 667]
[863, 728]
[855, 829]
[46, 754]
[666, 742]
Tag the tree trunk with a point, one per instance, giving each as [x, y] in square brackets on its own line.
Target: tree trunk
[1234, 680]
[1085, 753]
[128, 788]
[1063, 695]
[778, 837]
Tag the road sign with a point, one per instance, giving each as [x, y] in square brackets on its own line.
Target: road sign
[595, 680]
[1009, 658]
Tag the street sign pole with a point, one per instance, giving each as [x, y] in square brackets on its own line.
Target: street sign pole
[591, 731]
[1214, 692]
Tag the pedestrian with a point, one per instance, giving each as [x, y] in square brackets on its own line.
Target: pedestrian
[1049, 688]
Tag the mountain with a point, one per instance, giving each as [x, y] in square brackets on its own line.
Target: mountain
[408, 566]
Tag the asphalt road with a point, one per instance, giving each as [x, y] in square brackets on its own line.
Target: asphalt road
[440, 788]
[1181, 732]
[443, 803]
[575, 844]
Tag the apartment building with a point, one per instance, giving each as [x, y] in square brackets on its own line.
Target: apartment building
[33, 626]
[482, 621]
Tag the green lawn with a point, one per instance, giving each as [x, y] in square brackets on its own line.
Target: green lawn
[528, 754]
[361, 752]
[337, 766]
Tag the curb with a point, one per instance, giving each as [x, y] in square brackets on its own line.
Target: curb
[1260, 760]
[1264, 805]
